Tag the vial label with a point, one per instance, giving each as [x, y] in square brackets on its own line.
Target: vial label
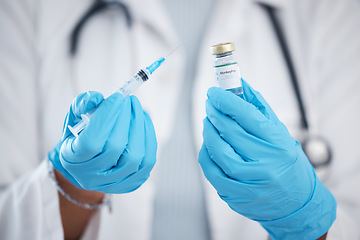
[228, 76]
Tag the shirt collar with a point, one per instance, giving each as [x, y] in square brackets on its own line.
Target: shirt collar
[152, 14]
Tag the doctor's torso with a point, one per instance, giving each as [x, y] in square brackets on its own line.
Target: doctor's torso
[109, 52]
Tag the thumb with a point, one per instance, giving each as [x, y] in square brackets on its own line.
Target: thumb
[83, 103]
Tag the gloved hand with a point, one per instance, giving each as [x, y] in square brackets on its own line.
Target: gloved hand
[115, 152]
[259, 170]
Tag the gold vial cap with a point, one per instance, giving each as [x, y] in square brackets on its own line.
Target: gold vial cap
[222, 48]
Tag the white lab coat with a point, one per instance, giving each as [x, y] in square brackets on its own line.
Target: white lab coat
[39, 82]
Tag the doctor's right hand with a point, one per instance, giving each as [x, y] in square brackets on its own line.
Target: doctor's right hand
[115, 152]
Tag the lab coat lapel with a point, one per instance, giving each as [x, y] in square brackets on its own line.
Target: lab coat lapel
[155, 38]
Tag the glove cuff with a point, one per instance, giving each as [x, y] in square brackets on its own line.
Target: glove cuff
[54, 158]
[310, 222]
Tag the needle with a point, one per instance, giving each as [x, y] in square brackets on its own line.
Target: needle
[180, 45]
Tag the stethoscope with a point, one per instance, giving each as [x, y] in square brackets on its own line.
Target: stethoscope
[97, 7]
[315, 147]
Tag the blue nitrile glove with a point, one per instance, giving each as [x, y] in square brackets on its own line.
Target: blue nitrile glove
[115, 152]
[259, 170]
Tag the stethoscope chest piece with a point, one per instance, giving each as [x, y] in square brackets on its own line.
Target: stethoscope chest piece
[317, 150]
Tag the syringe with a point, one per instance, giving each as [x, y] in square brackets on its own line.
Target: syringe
[130, 85]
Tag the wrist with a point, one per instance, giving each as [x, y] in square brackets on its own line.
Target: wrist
[54, 158]
[81, 195]
[77, 205]
[312, 221]
[323, 237]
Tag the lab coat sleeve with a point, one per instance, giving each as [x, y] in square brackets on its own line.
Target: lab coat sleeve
[29, 208]
[28, 201]
[334, 65]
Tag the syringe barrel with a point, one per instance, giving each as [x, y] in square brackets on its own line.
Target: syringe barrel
[133, 83]
[128, 87]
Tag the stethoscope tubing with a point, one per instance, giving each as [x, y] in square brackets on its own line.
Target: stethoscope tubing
[295, 84]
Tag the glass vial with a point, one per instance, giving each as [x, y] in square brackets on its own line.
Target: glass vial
[227, 72]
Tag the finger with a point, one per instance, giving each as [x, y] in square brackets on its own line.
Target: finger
[135, 180]
[248, 116]
[115, 145]
[248, 146]
[224, 185]
[255, 98]
[151, 144]
[93, 138]
[91, 173]
[275, 125]
[243, 113]
[225, 156]
[85, 102]
[129, 161]
[82, 104]
[256, 169]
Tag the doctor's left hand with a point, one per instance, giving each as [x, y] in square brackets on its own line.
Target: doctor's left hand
[259, 170]
[115, 152]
